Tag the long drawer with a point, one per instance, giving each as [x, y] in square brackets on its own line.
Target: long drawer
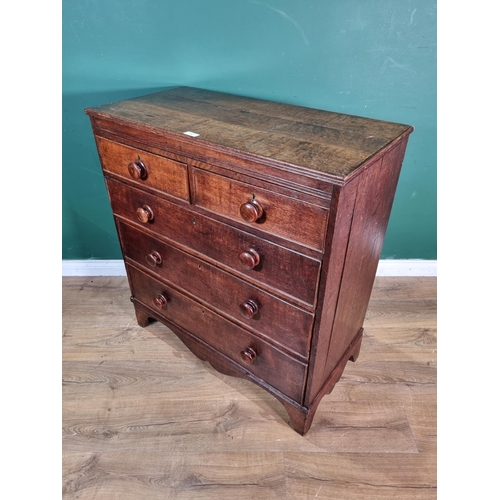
[281, 322]
[255, 355]
[291, 273]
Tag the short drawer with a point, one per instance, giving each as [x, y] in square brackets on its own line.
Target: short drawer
[281, 322]
[271, 212]
[272, 266]
[144, 169]
[255, 355]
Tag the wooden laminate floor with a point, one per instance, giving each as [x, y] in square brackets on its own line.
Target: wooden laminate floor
[143, 418]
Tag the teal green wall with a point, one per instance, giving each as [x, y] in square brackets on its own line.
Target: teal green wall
[372, 58]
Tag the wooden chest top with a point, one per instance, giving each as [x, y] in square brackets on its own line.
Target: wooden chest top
[332, 143]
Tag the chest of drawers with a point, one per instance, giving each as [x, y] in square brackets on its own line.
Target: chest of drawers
[252, 229]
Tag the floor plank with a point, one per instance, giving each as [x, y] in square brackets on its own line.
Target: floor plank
[360, 476]
[144, 418]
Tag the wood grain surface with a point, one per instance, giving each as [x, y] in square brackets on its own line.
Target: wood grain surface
[160, 173]
[281, 215]
[144, 418]
[264, 128]
[189, 229]
[281, 322]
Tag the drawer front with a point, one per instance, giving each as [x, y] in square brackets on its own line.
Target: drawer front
[265, 210]
[281, 322]
[256, 356]
[283, 270]
[144, 169]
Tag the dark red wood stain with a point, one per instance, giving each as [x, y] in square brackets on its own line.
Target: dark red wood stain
[256, 242]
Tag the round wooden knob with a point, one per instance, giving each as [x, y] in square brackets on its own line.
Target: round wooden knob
[248, 355]
[137, 170]
[249, 308]
[153, 259]
[249, 259]
[160, 301]
[251, 211]
[144, 214]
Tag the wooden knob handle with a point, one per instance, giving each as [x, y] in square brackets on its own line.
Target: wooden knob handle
[144, 214]
[249, 259]
[251, 211]
[154, 259]
[137, 170]
[160, 301]
[248, 355]
[249, 308]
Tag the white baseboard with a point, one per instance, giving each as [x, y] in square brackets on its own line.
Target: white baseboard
[117, 268]
[388, 267]
[93, 268]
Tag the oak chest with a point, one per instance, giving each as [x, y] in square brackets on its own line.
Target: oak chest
[252, 229]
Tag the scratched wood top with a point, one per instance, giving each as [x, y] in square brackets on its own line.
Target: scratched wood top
[144, 418]
[325, 141]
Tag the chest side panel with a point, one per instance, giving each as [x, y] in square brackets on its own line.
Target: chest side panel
[375, 195]
[331, 276]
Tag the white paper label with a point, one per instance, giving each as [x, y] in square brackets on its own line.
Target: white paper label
[191, 134]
